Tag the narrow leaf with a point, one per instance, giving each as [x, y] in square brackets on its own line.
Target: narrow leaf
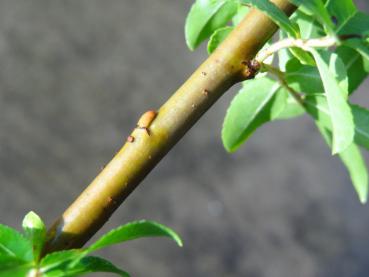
[340, 112]
[217, 38]
[35, 230]
[205, 17]
[256, 103]
[133, 231]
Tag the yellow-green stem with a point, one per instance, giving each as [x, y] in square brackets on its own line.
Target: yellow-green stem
[224, 68]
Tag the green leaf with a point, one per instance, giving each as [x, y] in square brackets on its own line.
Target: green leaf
[14, 245]
[355, 164]
[360, 46]
[17, 271]
[275, 14]
[60, 259]
[303, 56]
[357, 24]
[340, 112]
[134, 230]
[317, 107]
[316, 8]
[361, 119]
[353, 61]
[85, 265]
[35, 230]
[342, 10]
[242, 10]
[217, 38]
[205, 17]
[256, 103]
[309, 27]
[291, 110]
[306, 79]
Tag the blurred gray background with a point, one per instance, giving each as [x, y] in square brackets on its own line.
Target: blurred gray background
[74, 78]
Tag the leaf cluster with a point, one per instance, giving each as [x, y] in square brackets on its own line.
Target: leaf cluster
[322, 56]
[20, 254]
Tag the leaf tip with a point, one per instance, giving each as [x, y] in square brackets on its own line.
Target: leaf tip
[363, 196]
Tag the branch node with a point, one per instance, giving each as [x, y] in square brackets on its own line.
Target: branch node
[252, 67]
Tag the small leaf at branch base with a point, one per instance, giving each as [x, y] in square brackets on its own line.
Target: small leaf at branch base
[218, 37]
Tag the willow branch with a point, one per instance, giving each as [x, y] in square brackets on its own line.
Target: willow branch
[225, 67]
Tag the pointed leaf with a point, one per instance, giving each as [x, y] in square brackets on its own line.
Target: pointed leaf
[217, 38]
[340, 112]
[256, 103]
[35, 230]
[134, 230]
[205, 17]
